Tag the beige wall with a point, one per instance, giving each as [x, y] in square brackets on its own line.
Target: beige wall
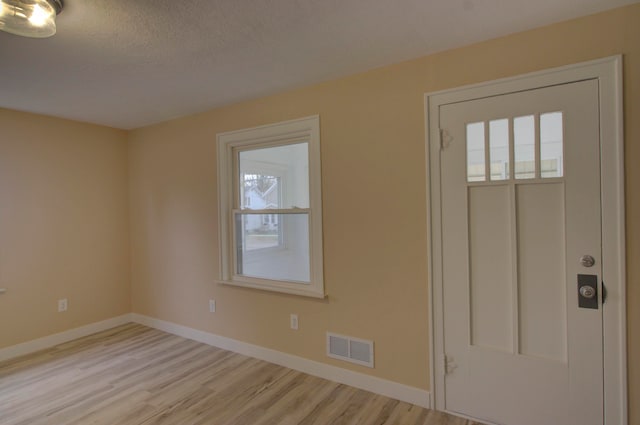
[63, 225]
[373, 164]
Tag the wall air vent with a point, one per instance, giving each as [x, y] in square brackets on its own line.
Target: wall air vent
[350, 349]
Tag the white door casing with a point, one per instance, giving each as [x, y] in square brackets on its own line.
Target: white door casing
[490, 336]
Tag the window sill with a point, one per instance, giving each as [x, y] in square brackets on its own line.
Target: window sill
[304, 292]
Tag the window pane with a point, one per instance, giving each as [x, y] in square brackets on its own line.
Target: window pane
[261, 231]
[273, 246]
[261, 191]
[499, 149]
[275, 177]
[551, 145]
[524, 135]
[475, 152]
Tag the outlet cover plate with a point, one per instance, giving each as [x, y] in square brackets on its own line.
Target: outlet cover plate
[62, 305]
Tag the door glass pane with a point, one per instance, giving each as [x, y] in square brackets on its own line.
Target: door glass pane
[275, 177]
[551, 145]
[499, 149]
[475, 152]
[273, 246]
[524, 138]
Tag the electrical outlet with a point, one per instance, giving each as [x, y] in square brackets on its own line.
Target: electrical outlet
[62, 305]
[294, 322]
[212, 306]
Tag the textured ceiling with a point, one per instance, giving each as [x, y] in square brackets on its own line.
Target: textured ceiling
[130, 63]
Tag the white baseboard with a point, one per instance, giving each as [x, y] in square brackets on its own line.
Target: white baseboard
[62, 337]
[380, 386]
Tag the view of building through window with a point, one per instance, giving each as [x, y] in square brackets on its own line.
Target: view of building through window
[261, 191]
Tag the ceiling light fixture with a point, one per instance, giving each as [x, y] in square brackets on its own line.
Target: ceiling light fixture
[29, 18]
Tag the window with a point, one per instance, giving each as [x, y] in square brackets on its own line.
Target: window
[270, 211]
[533, 142]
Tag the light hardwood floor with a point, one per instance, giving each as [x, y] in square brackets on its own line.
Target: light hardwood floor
[134, 375]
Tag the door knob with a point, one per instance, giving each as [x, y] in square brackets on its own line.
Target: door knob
[588, 292]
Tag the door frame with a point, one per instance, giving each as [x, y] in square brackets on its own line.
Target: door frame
[608, 72]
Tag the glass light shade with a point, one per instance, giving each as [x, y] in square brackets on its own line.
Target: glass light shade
[29, 18]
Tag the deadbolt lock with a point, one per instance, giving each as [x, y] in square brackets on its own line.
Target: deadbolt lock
[588, 291]
[587, 261]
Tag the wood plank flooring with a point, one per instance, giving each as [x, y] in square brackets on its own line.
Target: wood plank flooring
[134, 375]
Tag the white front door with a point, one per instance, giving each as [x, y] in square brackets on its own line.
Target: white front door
[521, 220]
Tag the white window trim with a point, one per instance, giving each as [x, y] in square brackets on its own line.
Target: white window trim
[286, 132]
